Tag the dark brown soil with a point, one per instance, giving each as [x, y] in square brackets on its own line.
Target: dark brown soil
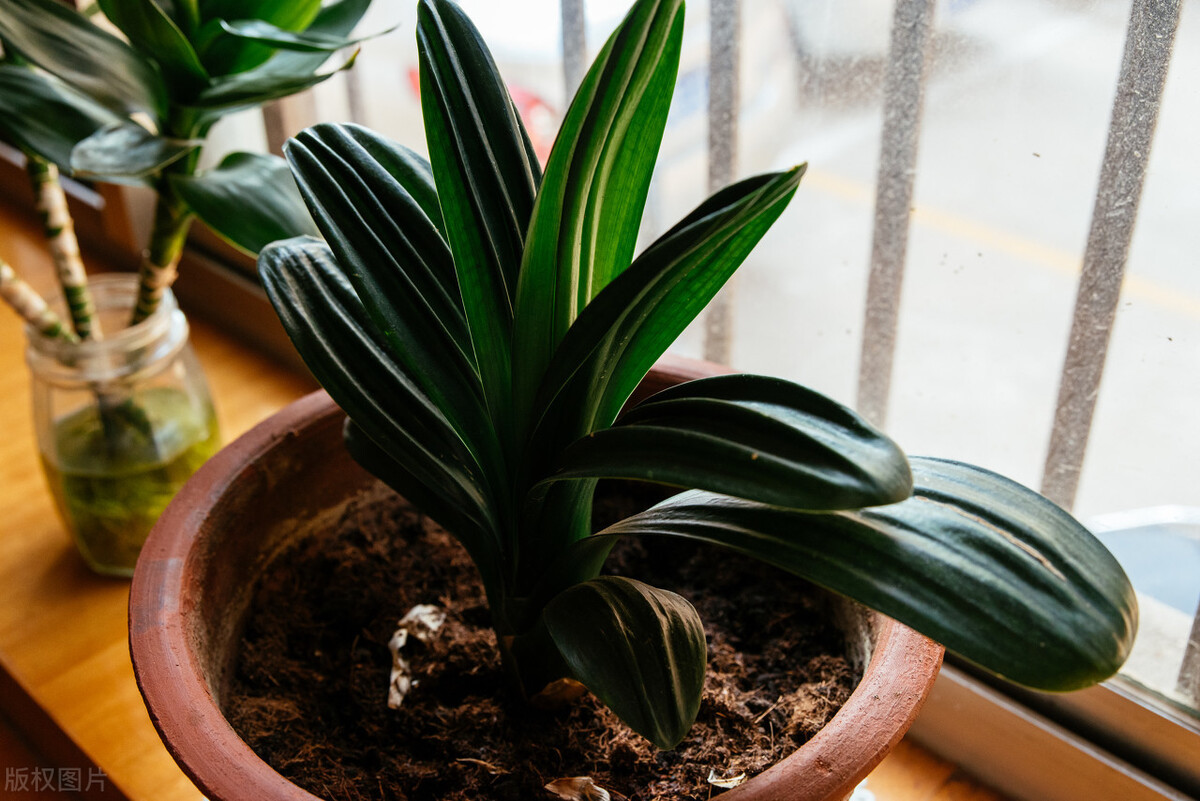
[309, 693]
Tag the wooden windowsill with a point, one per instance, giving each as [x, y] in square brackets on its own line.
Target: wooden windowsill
[67, 694]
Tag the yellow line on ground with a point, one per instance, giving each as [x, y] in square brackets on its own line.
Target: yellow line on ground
[1060, 261]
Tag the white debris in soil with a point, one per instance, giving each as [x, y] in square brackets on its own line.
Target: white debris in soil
[578, 788]
[421, 622]
[725, 782]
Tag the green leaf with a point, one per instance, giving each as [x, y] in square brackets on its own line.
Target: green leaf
[755, 437]
[992, 570]
[127, 152]
[392, 170]
[184, 13]
[486, 184]
[632, 322]
[257, 86]
[335, 19]
[398, 262]
[63, 42]
[229, 55]
[329, 327]
[224, 54]
[640, 649]
[585, 225]
[249, 199]
[467, 528]
[151, 31]
[274, 11]
[43, 115]
[623, 331]
[282, 39]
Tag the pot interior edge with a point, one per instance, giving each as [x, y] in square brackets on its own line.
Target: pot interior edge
[859, 626]
[298, 488]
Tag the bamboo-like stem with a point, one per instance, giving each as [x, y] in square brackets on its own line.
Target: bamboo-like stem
[59, 228]
[160, 262]
[32, 308]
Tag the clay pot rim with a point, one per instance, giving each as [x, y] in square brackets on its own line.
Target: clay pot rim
[895, 683]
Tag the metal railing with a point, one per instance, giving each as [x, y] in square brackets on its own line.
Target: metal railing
[1148, 48]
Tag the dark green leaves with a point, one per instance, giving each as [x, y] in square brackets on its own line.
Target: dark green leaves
[326, 321]
[641, 650]
[40, 113]
[585, 225]
[989, 568]
[127, 151]
[256, 87]
[65, 43]
[224, 54]
[397, 432]
[487, 177]
[290, 14]
[483, 326]
[355, 185]
[154, 33]
[282, 39]
[477, 536]
[759, 438]
[633, 320]
[333, 19]
[249, 199]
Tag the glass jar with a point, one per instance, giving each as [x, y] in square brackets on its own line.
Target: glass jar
[121, 422]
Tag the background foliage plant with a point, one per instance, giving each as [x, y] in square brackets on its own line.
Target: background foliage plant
[483, 322]
[136, 108]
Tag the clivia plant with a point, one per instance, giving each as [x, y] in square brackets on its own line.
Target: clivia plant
[483, 322]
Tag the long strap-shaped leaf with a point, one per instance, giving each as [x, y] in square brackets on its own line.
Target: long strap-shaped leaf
[640, 649]
[486, 183]
[629, 325]
[400, 267]
[585, 225]
[754, 437]
[622, 332]
[409, 169]
[414, 173]
[365, 208]
[330, 329]
[400, 476]
[989, 568]
[65, 43]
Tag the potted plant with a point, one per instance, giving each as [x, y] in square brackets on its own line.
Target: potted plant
[483, 323]
[124, 419]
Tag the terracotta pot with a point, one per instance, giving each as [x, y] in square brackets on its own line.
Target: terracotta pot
[290, 476]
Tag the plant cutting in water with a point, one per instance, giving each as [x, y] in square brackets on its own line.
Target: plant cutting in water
[483, 323]
[137, 108]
